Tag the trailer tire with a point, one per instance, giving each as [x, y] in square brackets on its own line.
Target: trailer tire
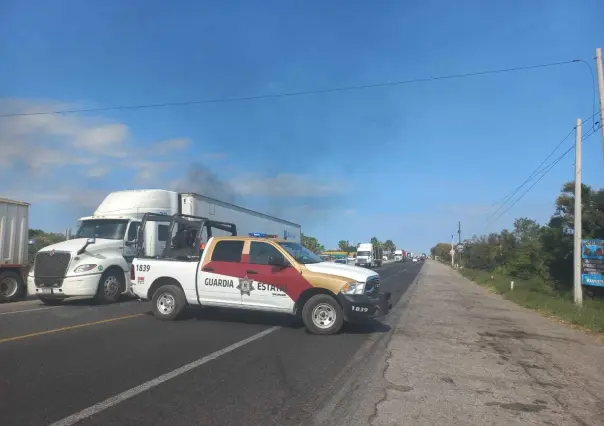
[12, 286]
[110, 286]
[168, 302]
[323, 315]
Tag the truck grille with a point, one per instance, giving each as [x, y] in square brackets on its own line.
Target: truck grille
[50, 268]
[372, 286]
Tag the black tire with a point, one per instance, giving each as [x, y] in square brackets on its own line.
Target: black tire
[111, 286]
[330, 307]
[50, 302]
[168, 302]
[12, 286]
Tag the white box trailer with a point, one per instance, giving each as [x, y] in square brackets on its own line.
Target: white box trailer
[14, 238]
[247, 221]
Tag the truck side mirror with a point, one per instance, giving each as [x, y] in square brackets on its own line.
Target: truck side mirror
[88, 242]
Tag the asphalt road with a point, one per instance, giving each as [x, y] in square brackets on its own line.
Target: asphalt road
[86, 364]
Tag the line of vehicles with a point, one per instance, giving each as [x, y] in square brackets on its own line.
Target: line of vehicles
[185, 249]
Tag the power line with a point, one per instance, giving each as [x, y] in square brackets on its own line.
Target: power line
[543, 173]
[537, 170]
[292, 94]
[531, 177]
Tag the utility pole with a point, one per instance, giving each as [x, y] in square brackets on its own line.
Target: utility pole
[459, 239]
[452, 252]
[578, 217]
[601, 90]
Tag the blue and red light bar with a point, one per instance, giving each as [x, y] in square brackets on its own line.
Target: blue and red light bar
[262, 235]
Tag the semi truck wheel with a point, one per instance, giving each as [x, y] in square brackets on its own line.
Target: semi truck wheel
[110, 287]
[168, 302]
[322, 314]
[11, 285]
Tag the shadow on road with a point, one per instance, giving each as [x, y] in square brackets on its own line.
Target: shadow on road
[366, 327]
[271, 320]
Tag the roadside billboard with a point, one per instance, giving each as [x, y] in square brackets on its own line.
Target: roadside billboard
[592, 263]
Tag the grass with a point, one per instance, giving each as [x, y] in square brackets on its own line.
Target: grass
[540, 296]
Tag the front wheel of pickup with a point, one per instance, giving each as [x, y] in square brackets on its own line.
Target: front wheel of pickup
[322, 314]
[168, 302]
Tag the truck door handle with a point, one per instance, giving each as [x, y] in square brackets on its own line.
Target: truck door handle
[208, 269]
[251, 271]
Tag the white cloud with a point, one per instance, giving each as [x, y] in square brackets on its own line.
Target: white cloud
[36, 149]
[97, 172]
[55, 140]
[106, 140]
[148, 171]
[286, 185]
[170, 145]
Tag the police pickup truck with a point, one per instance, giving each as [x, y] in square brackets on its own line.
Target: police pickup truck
[255, 272]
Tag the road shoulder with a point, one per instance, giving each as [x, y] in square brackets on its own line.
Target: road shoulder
[353, 398]
[461, 355]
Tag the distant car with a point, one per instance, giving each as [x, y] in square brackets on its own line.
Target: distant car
[350, 258]
[415, 259]
[344, 261]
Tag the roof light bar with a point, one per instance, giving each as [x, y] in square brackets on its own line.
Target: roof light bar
[262, 235]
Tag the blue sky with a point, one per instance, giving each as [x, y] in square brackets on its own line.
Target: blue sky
[401, 163]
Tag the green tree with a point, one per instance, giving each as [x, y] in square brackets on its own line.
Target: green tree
[442, 250]
[42, 239]
[344, 245]
[389, 246]
[312, 244]
[375, 241]
[532, 251]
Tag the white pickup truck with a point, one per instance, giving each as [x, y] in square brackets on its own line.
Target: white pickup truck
[257, 272]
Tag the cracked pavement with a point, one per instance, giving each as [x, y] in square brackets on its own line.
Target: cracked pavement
[460, 355]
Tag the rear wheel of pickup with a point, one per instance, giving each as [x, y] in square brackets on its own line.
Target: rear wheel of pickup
[168, 302]
[11, 285]
[110, 286]
[322, 314]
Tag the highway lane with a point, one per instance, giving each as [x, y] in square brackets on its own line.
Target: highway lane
[278, 377]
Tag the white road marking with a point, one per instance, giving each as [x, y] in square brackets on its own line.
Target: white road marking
[114, 400]
[30, 310]
[392, 276]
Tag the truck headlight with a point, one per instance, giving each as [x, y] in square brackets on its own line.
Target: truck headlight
[84, 268]
[353, 288]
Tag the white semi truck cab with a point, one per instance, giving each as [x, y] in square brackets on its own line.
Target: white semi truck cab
[369, 255]
[96, 262]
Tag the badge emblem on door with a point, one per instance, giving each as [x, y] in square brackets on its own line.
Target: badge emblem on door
[245, 285]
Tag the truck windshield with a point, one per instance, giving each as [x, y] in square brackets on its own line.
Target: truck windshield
[363, 253]
[111, 229]
[301, 253]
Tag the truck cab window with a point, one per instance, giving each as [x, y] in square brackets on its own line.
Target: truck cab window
[260, 252]
[163, 232]
[133, 231]
[227, 251]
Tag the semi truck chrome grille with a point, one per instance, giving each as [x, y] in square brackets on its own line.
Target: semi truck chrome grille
[372, 286]
[51, 267]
